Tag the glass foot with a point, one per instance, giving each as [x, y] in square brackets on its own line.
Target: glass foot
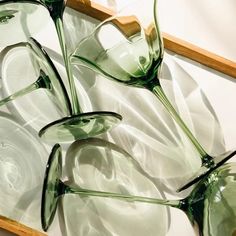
[80, 126]
[51, 189]
[205, 171]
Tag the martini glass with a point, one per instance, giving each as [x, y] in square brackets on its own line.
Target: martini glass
[210, 206]
[128, 48]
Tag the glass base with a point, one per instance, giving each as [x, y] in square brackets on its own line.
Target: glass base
[51, 189]
[205, 171]
[80, 126]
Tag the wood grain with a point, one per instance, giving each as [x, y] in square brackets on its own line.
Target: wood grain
[18, 228]
[171, 43]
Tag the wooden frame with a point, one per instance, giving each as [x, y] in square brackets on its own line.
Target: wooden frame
[18, 228]
[171, 43]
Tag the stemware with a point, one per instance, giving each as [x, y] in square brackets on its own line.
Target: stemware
[128, 48]
[210, 206]
[76, 124]
[91, 123]
[117, 171]
[48, 77]
[50, 80]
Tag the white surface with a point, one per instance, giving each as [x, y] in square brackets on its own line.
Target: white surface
[211, 26]
[208, 24]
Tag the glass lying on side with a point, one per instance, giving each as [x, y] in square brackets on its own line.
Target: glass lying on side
[69, 127]
[128, 48]
[116, 169]
[209, 206]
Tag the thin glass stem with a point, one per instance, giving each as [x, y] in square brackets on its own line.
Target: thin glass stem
[158, 91]
[74, 98]
[42, 82]
[87, 192]
[20, 93]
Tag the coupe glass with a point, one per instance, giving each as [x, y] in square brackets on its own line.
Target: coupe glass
[128, 48]
[114, 169]
[210, 206]
[50, 80]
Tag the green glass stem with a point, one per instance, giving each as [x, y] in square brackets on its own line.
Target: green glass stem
[158, 91]
[42, 82]
[74, 98]
[64, 189]
[211, 200]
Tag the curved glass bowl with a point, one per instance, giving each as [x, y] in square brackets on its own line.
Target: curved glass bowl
[129, 179]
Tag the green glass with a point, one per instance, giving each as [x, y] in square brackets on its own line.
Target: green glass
[48, 77]
[6, 15]
[80, 126]
[128, 48]
[130, 172]
[210, 206]
[76, 125]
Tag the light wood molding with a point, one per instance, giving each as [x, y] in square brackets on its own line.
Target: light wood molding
[18, 228]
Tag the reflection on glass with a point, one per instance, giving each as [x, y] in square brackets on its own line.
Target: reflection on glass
[101, 165]
[128, 48]
[208, 207]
